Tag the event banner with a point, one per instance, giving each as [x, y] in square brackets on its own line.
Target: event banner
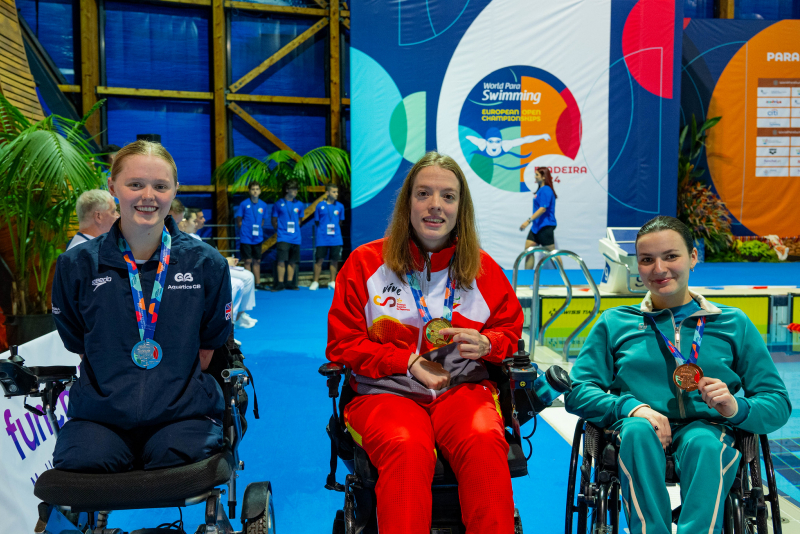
[27, 444]
[586, 88]
[748, 73]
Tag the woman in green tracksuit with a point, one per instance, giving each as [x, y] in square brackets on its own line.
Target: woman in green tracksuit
[627, 375]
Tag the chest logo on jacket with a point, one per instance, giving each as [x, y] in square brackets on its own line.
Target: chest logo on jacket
[97, 282]
[388, 301]
[180, 277]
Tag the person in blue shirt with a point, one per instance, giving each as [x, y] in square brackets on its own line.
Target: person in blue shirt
[250, 219]
[543, 221]
[327, 219]
[286, 215]
[144, 305]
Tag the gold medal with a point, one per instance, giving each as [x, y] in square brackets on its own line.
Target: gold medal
[432, 332]
[687, 376]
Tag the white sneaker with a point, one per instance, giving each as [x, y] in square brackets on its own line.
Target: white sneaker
[331, 285]
[314, 286]
[244, 315]
[243, 323]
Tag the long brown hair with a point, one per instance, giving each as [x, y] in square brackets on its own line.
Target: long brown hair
[397, 254]
[548, 178]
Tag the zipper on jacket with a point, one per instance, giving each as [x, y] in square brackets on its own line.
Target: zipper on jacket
[681, 407]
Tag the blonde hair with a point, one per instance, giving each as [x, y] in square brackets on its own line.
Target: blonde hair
[397, 254]
[92, 201]
[143, 148]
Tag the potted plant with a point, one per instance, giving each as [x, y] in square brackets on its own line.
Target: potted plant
[698, 206]
[319, 166]
[44, 167]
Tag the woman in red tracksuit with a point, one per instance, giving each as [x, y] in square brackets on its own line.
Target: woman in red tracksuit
[427, 282]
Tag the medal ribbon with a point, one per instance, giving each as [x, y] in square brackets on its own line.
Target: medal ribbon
[696, 341]
[419, 298]
[144, 317]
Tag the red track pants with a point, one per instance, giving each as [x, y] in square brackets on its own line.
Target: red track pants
[401, 438]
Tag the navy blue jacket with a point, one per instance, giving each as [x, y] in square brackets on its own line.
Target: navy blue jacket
[94, 313]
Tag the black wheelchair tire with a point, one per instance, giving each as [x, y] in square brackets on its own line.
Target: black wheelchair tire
[338, 523]
[264, 523]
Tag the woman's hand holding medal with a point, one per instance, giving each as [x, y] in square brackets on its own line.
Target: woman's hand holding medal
[716, 394]
[472, 344]
[659, 422]
[431, 374]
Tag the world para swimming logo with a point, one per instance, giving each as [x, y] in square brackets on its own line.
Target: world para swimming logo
[513, 116]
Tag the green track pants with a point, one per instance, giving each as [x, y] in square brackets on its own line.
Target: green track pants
[705, 462]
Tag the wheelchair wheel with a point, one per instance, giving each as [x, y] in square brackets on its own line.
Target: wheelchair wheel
[338, 523]
[264, 523]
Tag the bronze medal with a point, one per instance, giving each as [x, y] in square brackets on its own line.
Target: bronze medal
[432, 332]
[687, 376]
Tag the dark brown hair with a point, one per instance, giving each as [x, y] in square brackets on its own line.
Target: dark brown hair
[664, 222]
[397, 254]
[548, 178]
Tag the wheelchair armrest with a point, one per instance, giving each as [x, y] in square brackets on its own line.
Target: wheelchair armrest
[330, 369]
[54, 372]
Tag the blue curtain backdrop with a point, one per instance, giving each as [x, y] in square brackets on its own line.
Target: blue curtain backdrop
[302, 128]
[256, 37]
[52, 23]
[157, 47]
[185, 128]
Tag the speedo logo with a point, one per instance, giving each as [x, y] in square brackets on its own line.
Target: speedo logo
[97, 282]
[180, 277]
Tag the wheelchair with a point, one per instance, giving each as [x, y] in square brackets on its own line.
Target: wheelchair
[520, 401]
[598, 504]
[79, 503]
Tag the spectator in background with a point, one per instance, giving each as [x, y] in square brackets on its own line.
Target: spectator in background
[242, 281]
[177, 209]
[250, 218]
[286, 221]
[201, 219]
[327, 217]
[97, 213]
[189, 222]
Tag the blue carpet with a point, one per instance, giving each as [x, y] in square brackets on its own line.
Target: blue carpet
[706, 274]
[289, 447]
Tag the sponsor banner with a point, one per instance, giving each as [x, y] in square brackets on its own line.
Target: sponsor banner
[748, 73]
[756, 308]
[505, 86]
[27, 442]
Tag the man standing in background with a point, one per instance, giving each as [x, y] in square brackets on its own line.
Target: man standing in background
[327, 218]
[286, 221]
[250, 222]
[97, 213]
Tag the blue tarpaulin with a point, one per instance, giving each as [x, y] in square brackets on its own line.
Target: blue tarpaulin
[185, 128]
[157, 47]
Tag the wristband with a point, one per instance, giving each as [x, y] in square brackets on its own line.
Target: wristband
[415, 361]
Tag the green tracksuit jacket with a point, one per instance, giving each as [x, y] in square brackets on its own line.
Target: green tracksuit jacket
[625, 364]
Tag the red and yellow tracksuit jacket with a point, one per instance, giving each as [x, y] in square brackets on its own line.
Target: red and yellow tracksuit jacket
[374, 325]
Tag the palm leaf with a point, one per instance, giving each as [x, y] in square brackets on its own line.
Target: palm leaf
[46, 157]
[12, 121]
[324, 164]
[240, 171]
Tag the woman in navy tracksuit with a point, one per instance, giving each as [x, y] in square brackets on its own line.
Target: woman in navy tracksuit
[142, 400]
